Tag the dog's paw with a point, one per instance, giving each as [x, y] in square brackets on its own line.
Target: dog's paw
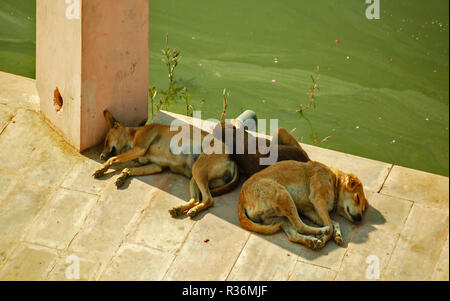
[175, 212]
[120, 181]
[192, 213]
[99, 173]
[338, 239]
[316, 243]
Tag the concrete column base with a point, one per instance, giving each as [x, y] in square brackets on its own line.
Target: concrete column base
[91, 55]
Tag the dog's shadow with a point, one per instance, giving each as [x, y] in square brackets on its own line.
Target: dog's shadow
[351, 234]
[225, 207]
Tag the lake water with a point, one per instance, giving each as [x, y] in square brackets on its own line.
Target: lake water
[384, 90]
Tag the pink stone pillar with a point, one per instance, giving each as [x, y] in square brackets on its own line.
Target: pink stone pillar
[91, 55]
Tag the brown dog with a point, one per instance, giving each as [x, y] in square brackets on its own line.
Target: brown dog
[150, 145]
[250, 163]
[271, 199]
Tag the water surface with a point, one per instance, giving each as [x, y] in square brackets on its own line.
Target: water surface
[384, 90]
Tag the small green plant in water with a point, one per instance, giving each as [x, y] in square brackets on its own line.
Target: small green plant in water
[312, 103]
[171, 58]
[225, 95]
[190, 108]
[152, 94]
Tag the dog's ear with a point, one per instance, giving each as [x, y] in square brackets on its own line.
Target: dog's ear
[110, 120]
[352, 182]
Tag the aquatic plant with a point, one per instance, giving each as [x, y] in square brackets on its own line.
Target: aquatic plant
[174, 93]
[172, 58]
[225, 96]
[312, 104]
[190, 108]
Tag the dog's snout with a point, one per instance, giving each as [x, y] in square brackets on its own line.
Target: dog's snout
[357, 218]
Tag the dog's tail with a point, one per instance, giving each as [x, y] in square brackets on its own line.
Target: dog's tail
[250, 225]
[229, 185]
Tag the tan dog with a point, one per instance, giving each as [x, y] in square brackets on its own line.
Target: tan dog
[271, 200]
[150, 144]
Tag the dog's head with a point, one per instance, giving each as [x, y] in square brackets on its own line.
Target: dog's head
[115, 140]
[352, 202]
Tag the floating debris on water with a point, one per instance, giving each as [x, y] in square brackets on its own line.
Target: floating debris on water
[326, 139]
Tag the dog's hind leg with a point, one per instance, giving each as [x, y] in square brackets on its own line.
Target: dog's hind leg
[320, 205]
[201, 179]
[194, 200]
[294, 236]
[137, 171]
[337, 235]
[288, 209]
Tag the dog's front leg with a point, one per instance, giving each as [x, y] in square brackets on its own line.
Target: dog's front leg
[314, 217]
[137, 171]
[132, 154]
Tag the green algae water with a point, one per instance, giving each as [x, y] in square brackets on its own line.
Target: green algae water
[384, 90]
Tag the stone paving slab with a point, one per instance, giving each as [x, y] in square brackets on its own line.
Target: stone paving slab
[420, 245]
[137, 263]
[17, 91]
[422, 187]
[20, 208]
[28, 263]
[211, 260]
[62, 269]
[441, 270]
[354, 265]
[308, 272]
[61, 218]
[156, 228]
[107, 224]
[262, 260]
[51, 208]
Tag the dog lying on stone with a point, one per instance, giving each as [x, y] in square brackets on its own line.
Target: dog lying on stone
[271, 200]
